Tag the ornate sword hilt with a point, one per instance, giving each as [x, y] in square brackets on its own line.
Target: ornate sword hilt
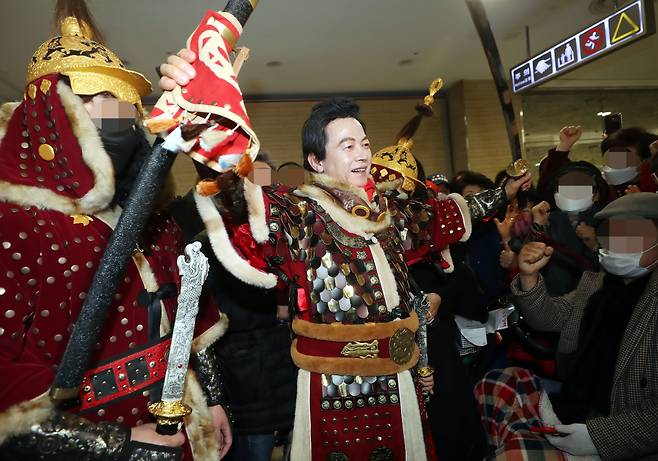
[169, 413]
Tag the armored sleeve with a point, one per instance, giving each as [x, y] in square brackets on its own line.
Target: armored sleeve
[485, 203]
[206, 366]
[68, 437]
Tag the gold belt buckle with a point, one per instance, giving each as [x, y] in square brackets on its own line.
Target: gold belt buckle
[361, 349]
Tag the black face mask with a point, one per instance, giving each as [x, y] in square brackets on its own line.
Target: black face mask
[121, 146]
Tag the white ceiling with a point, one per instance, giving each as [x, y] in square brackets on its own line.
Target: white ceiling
[331, 46]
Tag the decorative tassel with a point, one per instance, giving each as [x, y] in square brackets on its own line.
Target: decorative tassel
[156, 126]
[207, 187]
[244, 166]
[423, 110]
[79, 10]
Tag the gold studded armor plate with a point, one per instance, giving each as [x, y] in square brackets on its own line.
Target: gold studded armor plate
[339, 271]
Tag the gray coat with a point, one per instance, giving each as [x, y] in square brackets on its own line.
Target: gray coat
[631, 430]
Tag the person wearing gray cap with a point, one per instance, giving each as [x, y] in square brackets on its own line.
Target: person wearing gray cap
[607, 357]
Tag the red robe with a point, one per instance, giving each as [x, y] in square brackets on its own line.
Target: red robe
[55, 223]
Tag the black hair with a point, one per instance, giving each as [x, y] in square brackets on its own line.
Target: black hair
[500, 178]
[420, 191]
[600, 184]
[630, 137]
[288, 165]
[420, 170]
[470, 178]
[314, 138]
[79, 10]
[532, 195]
[265, 158]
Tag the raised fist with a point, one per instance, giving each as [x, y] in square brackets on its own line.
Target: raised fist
[569, 135]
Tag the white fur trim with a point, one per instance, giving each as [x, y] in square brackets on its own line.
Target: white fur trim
[386, 277]
[412, 429]
[211, 335]
[325, 180]
[347, 221]
[19, 418]
[466, 215]
[6, 112]
[93, 155]
[198, 424]
[301, 434]
[445, 254]
[223, 248]
[253, 194]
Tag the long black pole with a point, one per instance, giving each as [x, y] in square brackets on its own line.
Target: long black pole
[119, 249]
[479, 15]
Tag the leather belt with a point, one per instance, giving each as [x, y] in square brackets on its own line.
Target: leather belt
[371, 349]
[124, 375]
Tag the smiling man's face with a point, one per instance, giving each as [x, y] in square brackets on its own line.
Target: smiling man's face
[347, 158]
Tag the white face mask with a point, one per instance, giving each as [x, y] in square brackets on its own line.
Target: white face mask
[619, 176]
[572, 204]
[625, 265]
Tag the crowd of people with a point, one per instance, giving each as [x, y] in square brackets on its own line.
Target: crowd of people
[374, 312]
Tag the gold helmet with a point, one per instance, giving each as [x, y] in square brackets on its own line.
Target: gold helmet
[90, 66]
[397, 161]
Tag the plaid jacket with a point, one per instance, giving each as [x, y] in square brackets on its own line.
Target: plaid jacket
[631, 430]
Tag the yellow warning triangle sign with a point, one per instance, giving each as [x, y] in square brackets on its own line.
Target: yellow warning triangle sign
[622, 33]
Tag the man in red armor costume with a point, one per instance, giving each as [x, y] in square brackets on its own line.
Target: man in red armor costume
[341, 247]
[69, 154]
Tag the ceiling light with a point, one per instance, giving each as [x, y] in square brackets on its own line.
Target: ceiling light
[603, 114]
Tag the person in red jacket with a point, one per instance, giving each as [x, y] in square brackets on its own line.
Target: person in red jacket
[69, 154]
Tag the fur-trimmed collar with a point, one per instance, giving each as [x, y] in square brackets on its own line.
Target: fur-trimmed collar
[223, 248]
[6, 112]
[351, 223]
[324, 180]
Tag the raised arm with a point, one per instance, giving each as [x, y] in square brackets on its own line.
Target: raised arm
[484, 204]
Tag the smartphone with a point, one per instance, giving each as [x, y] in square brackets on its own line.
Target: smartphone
[611, 123]
[548, 430]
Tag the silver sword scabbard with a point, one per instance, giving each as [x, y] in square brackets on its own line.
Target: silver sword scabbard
[422, 306]
[170, 411]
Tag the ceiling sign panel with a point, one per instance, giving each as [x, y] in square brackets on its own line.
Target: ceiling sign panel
[626, 25]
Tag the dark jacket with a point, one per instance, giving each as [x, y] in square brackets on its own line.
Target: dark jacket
[629, 432]
[254, 355]
[563, 272]
[482, 255]
[453, 415]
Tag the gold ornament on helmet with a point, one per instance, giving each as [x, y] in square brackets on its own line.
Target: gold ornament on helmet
[397, 162]
[90, 67]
